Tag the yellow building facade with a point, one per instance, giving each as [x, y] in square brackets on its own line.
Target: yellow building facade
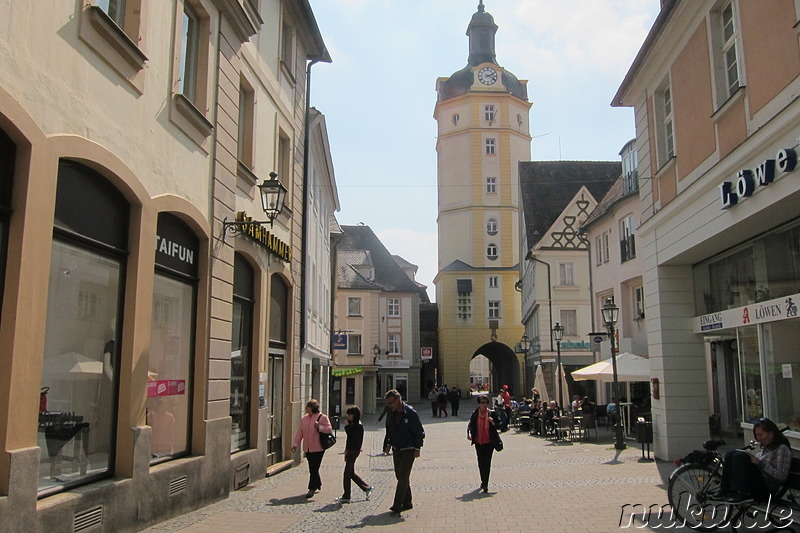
[482, 113]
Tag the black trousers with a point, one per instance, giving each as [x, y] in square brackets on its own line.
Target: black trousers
[739, 473]
[314, 462]
[484, 452]
[454, 407]
[403, 462]
[350, 475]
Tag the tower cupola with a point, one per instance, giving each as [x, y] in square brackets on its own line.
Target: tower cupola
[481, 31]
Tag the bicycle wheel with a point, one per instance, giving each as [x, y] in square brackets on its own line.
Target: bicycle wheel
[689, 492]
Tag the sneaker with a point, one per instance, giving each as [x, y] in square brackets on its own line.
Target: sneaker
[342, 499]
[395, 510]
[368, 492]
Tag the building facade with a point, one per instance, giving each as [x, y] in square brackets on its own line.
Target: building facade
[616, 272]
[555, 280]
[166, 350]
[377, 324]
[482, 113]
[717, 128]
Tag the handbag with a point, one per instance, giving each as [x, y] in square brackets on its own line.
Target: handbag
[498, 444]
[325, 439]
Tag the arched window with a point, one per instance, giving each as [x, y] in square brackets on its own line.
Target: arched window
[491, 226]
[491, 251]
[169, 370]
[83, 328]
[241, 351]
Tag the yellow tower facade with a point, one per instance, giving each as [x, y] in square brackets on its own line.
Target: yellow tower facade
[482, 113]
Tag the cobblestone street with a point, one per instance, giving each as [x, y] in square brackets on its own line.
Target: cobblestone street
[536, 485]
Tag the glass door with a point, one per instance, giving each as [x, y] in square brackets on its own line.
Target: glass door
[275, 395]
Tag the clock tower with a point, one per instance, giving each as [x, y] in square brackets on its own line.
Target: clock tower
[482, 113]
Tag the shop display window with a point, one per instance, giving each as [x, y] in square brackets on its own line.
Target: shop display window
[751, 373]
[241, 352]
[169, 369]
[782, 368]
[79, 387]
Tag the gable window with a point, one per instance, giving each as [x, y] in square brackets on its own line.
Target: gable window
[354, 345]
[494, 309]
[664, 118]
[489, 113]
[394, 344]
[490, 146]
[566, 274]
[569, 319]
[491, 226]
[493, 280]
[491, 251]
[491, 185]
[394, 306]
[627, 243]
[354, 307]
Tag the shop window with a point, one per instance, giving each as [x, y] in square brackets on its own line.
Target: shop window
[782, 369]
[82, 330]
[751, 373]
[241, 351]
[350, 391]
[7, 160]
[278, 312]
[169, 375]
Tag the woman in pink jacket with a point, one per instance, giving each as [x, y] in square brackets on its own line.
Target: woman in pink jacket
[312, 423]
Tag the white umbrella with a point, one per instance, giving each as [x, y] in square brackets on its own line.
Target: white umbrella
[72, 366]
[538, 383]
[630, 367]
[561, 385]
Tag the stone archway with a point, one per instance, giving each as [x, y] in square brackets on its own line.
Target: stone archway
[505, 366]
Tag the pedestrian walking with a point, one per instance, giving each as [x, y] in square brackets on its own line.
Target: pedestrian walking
[455, 400]
[352, 449]
[406, 435]
[482, 433]
[311, 425]
[442, 402]
[506, 400]
[433, 397]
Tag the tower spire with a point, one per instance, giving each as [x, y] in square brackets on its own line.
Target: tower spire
[480, 6]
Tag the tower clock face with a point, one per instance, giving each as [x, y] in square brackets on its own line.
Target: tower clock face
[487, 75]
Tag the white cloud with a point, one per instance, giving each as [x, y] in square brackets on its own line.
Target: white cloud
[417, 247]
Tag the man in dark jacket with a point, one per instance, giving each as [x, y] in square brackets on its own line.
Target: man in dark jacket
[404, 435]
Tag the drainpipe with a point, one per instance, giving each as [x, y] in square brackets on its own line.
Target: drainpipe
[549, 297]
[303, 244]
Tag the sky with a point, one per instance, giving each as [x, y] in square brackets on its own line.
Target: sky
[378, 96]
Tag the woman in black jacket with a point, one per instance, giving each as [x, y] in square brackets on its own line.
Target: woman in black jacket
[352, 449]
[482, 432]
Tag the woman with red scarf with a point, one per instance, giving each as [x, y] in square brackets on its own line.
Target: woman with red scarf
[482, 432]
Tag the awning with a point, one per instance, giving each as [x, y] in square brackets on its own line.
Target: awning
[338, 372]
[630, 367]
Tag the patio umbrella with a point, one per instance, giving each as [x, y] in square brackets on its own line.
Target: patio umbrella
[630, 367]
[73, 366]
[562, 385]
[539, 383]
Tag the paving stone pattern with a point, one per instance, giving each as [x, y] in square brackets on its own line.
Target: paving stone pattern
[536, 486]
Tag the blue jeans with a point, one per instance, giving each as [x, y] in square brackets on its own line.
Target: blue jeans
[740, 474]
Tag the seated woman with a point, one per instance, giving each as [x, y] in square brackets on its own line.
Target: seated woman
[751, 475]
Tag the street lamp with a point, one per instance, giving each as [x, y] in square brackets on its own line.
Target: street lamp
[273, 196]
[525, 343]
[376, 351]
[610, 316]
[558, 334]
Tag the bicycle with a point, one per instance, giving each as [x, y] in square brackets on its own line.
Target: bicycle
[693, 487]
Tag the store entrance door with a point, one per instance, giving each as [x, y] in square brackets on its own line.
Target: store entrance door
[275, 399]
[726, 385]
